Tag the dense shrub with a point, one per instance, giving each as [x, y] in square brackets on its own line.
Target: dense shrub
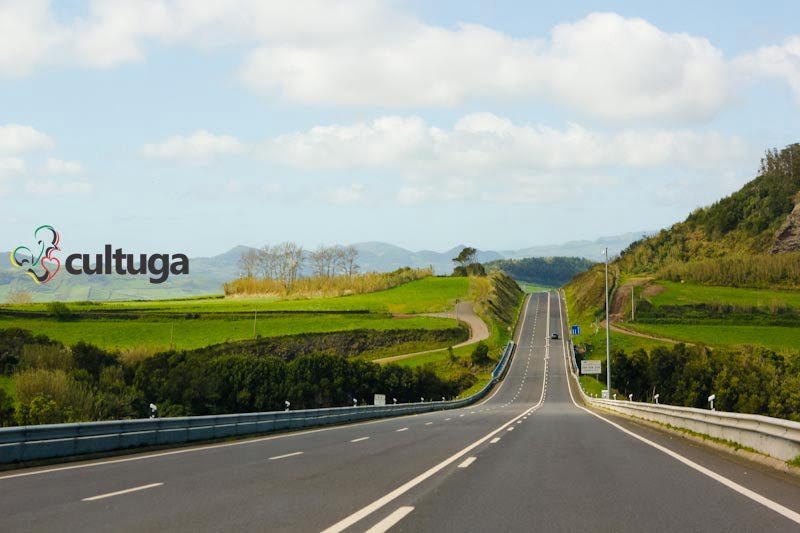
[753, 380]
[550, 271]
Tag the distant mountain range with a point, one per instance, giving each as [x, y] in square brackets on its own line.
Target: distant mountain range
[209, 273]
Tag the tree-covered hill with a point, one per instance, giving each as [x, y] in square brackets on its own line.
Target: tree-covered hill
[548, 271]
[752, 221]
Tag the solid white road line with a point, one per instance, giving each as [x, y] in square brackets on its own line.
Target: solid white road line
[428, 423]
[120, 492]
[284, 456]
[495, 440]
[367, 510]
[359, 439]
[401, 429]
[388, 522]
[468, 461]
[362, 513]
[758, 498]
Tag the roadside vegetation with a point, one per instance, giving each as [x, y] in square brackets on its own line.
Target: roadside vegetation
[498, 301]
[542, 271]
[716, 296]
[97, 361]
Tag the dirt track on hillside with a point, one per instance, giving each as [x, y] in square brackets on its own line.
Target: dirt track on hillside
[478, 330]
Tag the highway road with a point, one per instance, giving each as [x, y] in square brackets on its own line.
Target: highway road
[528, 458]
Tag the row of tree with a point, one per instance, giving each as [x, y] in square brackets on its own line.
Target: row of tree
[288, 261]
[548, 271]
[753, 380]
[56, 384]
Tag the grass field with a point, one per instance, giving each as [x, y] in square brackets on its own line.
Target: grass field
[187, 334]
[592, 386]
[156, 324]
[428, 295]
[690, 294]
[533, 287]
[774, 337]
[498, 337]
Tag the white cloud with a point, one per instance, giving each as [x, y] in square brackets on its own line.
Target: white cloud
[199, 148]
[604, 65]
[482, 142]
[379, 142]
[63, 168]
[30, 36]
[365, 53]
[11, 166]
[18, 139]
[779, 62]
[232, 186]
[350, 195]
[271, 187]
[56, 188]
[490, 157]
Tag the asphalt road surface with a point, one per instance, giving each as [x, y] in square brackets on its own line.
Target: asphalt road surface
[526, 459]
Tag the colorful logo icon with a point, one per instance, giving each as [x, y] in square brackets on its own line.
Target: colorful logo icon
[39, 263]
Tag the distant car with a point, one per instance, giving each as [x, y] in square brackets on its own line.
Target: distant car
[554, 336]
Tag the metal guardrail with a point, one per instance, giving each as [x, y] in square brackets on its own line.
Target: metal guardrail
[775, 437]
[29, 443]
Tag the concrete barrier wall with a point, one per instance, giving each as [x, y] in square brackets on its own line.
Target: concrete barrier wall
[30, 443]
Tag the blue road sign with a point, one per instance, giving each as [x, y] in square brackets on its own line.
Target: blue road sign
[576, 330]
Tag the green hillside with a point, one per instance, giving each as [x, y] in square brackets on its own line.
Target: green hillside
[542, 271]
[710, 305]
[744, 224]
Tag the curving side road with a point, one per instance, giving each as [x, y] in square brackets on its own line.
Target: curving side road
[478, 331]
[527, 458]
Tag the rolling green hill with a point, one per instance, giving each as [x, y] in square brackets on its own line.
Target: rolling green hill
[756, 220]
[716, 300]
[543, 271]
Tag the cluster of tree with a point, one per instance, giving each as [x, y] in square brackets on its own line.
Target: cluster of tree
[467, 263]
[318, 286]
[287, 261]
[56, 384]
[754, 380]
[548, 271]
[184, 383]
[743, 223]
[761, 270]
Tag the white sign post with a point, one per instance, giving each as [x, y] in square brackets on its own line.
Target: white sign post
[591, 366]
[380, 399]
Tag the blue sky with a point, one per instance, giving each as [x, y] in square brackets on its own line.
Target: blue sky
[192, 126]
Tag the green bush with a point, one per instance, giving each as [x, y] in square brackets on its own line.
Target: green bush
[59, 311]
[480, 354]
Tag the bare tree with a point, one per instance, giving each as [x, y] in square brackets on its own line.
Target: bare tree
[290, 260]
[319, 261]
[268, 262]
[248, 262]
[348, 255]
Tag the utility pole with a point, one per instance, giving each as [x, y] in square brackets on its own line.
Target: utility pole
[608, 332]
[633, 303]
